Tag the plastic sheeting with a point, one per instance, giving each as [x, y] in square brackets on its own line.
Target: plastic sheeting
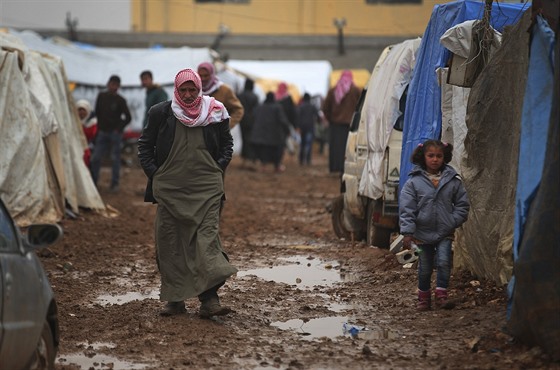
[484, 243]
[535, 310]
[90, 67]
[458, 39]
[454, 99]
[42, 142]
[381, 111]
[423, 108]
[534, 125]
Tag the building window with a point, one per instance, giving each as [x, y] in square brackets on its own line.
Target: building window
[224, 1]
[393, 2]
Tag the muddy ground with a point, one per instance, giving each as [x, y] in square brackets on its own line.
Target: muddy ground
[296, 287]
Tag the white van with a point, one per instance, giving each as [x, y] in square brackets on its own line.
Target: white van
[368, 205]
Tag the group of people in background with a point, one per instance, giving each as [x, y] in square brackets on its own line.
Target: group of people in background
[186, 146]
[104, 126]
[268, 129]
[187, 183]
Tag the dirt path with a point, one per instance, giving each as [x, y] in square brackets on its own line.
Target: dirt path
[296, 287]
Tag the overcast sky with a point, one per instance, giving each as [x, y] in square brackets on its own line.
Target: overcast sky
[110, 15]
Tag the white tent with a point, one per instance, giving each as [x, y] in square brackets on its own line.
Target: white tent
[42, 144]
[89, 68]
[381, 111]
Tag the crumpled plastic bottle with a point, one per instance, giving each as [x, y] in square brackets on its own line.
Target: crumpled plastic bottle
[353, 330]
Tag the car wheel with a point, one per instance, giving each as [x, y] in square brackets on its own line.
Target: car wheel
[376, 235]
[43, 358]
[337, 218]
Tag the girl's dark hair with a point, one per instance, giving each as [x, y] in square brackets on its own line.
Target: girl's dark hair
[418, 153]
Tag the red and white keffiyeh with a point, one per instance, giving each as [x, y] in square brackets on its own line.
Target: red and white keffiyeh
[203, 111]
[343, 85]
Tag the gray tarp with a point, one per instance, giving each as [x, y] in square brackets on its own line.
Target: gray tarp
[492, 148]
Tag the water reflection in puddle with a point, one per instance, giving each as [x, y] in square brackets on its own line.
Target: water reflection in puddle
[303, 272]
[98, 361]
[97, 345]
[332, 327]
[119, 299]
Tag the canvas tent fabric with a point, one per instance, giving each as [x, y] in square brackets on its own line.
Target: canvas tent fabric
[91, 65]
[381, 111]
[458, 39]
[484, 242]
[42, 143]
[89, 68]
[454, 99]
[422, 119]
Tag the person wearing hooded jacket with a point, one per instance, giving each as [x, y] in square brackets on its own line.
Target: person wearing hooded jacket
[432, 204]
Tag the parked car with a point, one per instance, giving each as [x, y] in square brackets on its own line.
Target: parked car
[29, 332]
[367, 207]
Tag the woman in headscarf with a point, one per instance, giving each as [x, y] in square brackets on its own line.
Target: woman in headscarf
[184, 150]
[338, 108]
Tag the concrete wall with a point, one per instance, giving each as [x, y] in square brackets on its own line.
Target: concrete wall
[359, 52]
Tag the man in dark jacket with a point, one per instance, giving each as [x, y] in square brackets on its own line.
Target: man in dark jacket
[154, 93]
[250, 101]
[112, 117]
[269, 133]
[307, 118]
[186, 181]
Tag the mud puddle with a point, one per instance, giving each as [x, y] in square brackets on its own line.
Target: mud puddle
[304, 272]
[335, 327]
[119, 299]
[91, 360]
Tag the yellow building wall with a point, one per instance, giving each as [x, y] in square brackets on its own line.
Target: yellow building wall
[282, 17]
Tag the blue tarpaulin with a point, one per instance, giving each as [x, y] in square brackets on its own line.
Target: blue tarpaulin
[422, 120]
[534, 310]
[537, 105]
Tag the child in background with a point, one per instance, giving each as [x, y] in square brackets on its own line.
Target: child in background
[89, 125]
[432, 204]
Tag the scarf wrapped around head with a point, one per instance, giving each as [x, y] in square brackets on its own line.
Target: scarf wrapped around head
[84, 104]
[203, 111]
[343, 86]
[213, 83]
[282, 91]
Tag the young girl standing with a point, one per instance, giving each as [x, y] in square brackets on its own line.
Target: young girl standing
[432, 204]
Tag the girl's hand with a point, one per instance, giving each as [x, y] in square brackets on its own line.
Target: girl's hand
[407, 241]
